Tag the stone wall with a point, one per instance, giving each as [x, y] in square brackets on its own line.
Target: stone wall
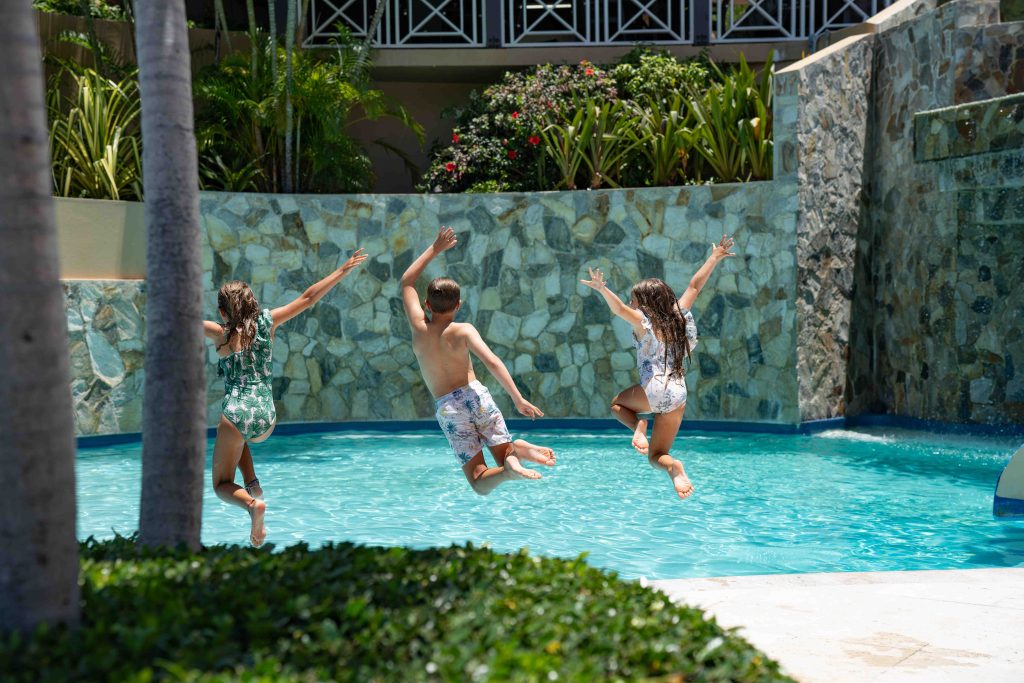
[823, 104]
[975, 151]
[916, 297]
[519, 259]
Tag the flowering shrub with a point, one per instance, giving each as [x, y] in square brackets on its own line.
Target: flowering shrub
[650, 120]
[497, 135]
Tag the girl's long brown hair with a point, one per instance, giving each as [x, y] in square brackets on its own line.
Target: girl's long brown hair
[240, 305]
[659, 303]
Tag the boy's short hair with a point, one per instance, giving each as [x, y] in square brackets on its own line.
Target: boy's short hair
[443, 294]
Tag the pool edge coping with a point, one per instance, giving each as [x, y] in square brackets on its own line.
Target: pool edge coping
[608, 424]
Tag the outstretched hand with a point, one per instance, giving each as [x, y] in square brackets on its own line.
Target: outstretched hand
[446, 239]
[528, 409]
[596, 280]
[721, 250]
[353, 262]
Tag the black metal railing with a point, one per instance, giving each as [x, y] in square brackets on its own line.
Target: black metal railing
[518, 23]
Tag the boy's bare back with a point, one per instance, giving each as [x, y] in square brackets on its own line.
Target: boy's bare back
[442, 348]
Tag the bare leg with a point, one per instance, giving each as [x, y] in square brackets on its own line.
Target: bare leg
[625, 407]
[248, 470]
[485, 479]
[666, 426]
[227, 452]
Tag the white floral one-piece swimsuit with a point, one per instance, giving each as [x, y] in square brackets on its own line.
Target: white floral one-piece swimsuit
[664, 392]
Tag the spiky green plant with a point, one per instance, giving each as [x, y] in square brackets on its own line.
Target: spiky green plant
[95, 140]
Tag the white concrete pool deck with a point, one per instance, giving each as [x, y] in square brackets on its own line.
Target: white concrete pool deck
[934, 626]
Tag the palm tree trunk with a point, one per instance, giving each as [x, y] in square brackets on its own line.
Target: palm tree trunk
[289, 46]
[174, 399]
[378, 13]
[272, 9]
[251, 11]
[38, 550]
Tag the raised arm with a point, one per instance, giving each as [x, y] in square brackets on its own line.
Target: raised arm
[212, 330]
[445, 240]
[316, 291]
[719, 252]
[627, 313]
[480, 349]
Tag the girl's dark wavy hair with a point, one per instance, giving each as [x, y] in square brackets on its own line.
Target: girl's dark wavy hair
[659, 303]
[239, 304]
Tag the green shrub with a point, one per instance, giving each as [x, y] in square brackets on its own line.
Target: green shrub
[351, 613]
[644, 74]
[95, 136]
[651, 120]
[98, 9]
[240, 120]
[497, 135]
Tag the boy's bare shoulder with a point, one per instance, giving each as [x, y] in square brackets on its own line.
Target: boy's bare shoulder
[463, 329]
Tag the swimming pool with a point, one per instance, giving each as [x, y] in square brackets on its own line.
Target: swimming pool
[838, 501]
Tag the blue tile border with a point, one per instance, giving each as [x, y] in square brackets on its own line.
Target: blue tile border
[609, 424]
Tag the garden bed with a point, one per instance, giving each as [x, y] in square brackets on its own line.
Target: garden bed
[347, 612]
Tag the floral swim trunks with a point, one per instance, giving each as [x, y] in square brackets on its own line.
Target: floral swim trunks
[470, 420]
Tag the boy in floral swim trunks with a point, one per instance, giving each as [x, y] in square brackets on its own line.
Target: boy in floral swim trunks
[465, 409]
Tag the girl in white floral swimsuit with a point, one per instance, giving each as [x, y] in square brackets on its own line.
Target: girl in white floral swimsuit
[664, 333]
[244, 343]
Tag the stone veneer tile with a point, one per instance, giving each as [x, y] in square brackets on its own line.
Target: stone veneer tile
[519, 260]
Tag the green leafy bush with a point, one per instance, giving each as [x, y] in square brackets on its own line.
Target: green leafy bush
[497, 135]
[351, 613]
[644, 74]
[651, 120]
[98, 9]
[240, 120]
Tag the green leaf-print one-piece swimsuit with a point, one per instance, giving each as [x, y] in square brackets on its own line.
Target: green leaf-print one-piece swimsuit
[248, 376]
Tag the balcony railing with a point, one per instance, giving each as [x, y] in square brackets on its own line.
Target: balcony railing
[519, 23]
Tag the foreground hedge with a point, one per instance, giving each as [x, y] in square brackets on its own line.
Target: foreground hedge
[353, 613]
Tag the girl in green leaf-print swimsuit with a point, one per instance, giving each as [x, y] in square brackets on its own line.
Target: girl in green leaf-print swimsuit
[244, 342]
[248, 397]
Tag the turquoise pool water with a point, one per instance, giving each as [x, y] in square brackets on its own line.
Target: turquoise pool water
[838, 501]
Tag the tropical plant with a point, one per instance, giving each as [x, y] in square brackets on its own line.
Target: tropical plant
[644, 74]
[94, 134]
[174, 399]
[664, 141]
[565, 142]
[39, 563]
[609, 144]
[354, 613]
[241, 118]
[98, 9]
[732, 124]
[498, 133]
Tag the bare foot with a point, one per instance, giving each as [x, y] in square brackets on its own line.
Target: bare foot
[516, 470]
[640, 441]
[258, 533]
[680, 481]
[538, 454]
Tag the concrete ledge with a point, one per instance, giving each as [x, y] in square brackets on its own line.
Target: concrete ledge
[928, 626]
[100, 239]
[967, 129]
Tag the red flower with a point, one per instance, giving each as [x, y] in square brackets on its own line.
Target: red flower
[511, 154]
[515, 115]
[589, 72]
[455, 138]
[534, 140]
[449, 167]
